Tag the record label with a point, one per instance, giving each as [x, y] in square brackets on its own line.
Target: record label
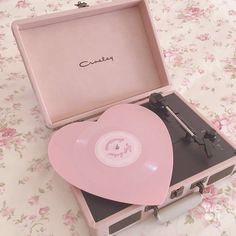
[118, 149]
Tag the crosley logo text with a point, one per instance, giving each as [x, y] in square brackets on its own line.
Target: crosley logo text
[88, 63]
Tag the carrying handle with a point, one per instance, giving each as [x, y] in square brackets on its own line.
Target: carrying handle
[179, 207]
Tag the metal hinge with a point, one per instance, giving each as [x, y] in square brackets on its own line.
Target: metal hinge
[81, 4]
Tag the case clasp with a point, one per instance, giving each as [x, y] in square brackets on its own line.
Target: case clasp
[81, 4]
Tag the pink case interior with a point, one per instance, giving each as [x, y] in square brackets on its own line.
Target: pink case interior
[53, 46]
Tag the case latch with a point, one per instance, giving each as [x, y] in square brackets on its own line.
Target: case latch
[81, 4]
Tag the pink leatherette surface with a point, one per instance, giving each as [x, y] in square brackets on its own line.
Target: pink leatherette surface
[76, 70]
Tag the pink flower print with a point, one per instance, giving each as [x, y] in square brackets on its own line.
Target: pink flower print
[174, 57]
[10, 98]
[229, 99]
[2, 188]
[39, 164]
[38, 130]
[232, 12]
[49, 185]
[210, 190]
[231, 127]
[29, 137]
[35, 111]
[1, 36]
[230, 66]
[194, 103]
[22, 4]
[178, 61]
[212, 199]
[198, 212]
[226, 121]
[16, 106]
[191, 13]
[2, 60]
[216, 123]
[32, 217]
[23, 180]
[233, 182]
[209, 57]
[69, 218]
[54, 6]
[203, 37]
[43, 211]
[233, 195]
[33, 200]
[6, 135]
[211, 207]
[210, 193]
[6, 211]
[8, 132]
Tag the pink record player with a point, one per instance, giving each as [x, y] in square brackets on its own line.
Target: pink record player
[130, 146]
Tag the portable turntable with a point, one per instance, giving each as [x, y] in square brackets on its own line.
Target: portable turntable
[81, 75]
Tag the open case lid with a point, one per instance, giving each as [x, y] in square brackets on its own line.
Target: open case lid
[81, 62]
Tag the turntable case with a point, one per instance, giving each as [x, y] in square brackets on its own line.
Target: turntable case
[81, 62]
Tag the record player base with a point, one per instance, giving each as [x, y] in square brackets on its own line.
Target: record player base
[105, 217]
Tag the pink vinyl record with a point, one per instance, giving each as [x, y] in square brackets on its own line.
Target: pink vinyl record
[125, 156]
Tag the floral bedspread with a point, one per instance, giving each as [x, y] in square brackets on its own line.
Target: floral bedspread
[198, 39]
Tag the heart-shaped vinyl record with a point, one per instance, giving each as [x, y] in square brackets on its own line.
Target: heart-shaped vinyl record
[125, 156]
